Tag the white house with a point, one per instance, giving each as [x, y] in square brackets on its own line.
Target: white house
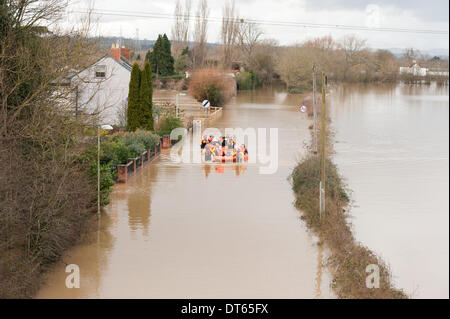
[414, 69]
[102, 88]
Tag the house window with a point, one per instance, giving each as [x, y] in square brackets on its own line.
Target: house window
[100, 71]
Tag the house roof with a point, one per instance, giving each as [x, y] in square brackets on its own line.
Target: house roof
[65, 80]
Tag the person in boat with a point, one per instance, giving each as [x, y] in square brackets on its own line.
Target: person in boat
[217, 150]
[209, 152]
[245, 149]
[230, 143]
[224, 141]
[203, 142]
[240, 156]
[211, 138]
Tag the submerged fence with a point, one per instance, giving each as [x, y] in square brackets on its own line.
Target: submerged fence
[134, 164]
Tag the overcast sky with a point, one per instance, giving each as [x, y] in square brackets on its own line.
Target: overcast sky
[405, 14]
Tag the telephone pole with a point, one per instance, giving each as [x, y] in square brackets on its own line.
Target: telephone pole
[314, 109]
[323, 134]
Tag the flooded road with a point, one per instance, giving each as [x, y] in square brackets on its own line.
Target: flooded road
[393, 149]
[205, 231]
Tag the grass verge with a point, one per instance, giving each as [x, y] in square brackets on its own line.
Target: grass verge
[348, 258]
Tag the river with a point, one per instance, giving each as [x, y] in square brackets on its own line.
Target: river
[392, 146]
[205, 231]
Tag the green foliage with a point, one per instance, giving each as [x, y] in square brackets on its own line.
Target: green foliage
[133, 111]
[170, 77]
[146, 138]
[247, 81]
[168, 124]
[114, 153]
[146, 92]
[136, 149]
[161, 59]
[213, 94]
[106, 177]
[115, 150]
[183, 62]
[139, 112]
[308, 173]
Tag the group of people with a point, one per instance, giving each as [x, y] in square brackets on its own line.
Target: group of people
[223, 149]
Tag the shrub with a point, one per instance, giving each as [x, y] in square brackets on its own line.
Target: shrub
[212, 85]
[106, 177]
[168, 124]
[148, 139]
[114, 153]
[136, 149]
[247, 81]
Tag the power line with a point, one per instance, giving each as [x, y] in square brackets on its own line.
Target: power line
[155, 15]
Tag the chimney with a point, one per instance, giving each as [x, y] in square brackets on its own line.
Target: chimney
[115, 51]
[125, 52]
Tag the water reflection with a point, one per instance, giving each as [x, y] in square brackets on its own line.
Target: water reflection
[139, 202]
[221, 168]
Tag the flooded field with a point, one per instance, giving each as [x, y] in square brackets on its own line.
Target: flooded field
[206, 230]
[393, 150]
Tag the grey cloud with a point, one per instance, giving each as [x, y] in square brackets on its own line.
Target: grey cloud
[432, 10]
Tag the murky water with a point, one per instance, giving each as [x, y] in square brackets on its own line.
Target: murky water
[393, 148]
[206, 231]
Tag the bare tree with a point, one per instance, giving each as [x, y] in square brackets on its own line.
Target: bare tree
[45, 189]
[248, 37]
[352, 48]
[411, 54]
[201, 34]
[263, 60]
[229, 32]
[180, 29]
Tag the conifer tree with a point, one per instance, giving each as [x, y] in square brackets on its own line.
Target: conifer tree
[161, 59]
[133, 111]
[167, 57]
[146, 92]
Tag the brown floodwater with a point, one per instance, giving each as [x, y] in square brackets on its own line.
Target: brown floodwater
[205, 230]
[392, 146]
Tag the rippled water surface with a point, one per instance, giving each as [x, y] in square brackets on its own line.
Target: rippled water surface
[393, 149]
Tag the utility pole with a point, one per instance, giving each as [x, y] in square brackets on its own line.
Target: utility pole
[314, 109]
[323, 133]
[176, 105]
[98, 171]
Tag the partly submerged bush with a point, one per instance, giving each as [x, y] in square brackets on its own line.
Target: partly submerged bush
[247, 81]
[347, 259]
[114, 153]
[146, 138]
[168, 124]
[212, 85]
[136, 149]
